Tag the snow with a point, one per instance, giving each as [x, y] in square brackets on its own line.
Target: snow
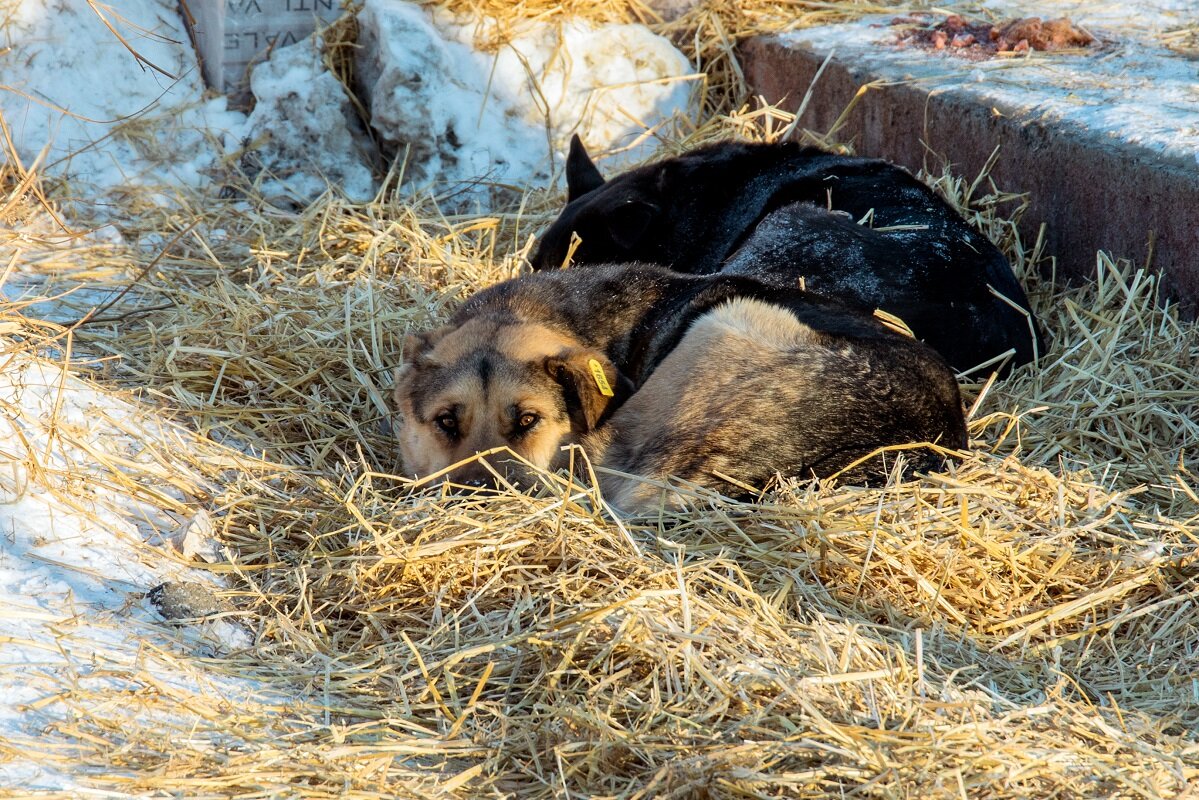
[107, 119]
[40, 259]
[80, 544]
[508, 117]
[613, 84]
[1131, 89]
[1145, 16]
[312, 137]
[407, 65]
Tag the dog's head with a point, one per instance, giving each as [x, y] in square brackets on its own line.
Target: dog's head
[611, 218]
[667, 211]
[489, 384]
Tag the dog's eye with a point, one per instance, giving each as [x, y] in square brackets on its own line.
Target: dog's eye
[448, 424]
[527, 420]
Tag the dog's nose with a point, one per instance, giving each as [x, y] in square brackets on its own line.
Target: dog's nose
[472, 480]
[471, 487]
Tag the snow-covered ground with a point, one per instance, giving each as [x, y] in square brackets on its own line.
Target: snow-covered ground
[98, 505]
[104, 116]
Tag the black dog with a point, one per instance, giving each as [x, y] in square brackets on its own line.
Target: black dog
[786, 215]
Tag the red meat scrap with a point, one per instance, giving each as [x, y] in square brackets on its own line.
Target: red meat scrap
[979, 40]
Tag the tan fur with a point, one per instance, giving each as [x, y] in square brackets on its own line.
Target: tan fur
[517, 384]
[702, 400]
[523, 342]
[680, 393]
[762, 323]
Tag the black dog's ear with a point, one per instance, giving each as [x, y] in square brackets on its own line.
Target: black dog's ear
[628, 222]
[582, 176]
[591, 385]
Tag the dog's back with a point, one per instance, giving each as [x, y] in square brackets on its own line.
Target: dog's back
[764, 211]
[913, 267]
[752, 391]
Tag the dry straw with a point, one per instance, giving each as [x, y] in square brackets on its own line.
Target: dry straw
[1021, 626]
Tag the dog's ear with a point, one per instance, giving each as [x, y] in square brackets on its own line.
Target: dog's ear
[591, 385]
[582, 176]
[628, 222]
[418, 345]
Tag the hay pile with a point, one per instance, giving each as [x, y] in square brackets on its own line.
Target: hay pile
[1021, 626]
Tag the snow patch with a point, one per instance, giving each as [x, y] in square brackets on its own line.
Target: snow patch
[614, 85]
[457, 115]
[428, 103]
[108, 119]
[1148, 16]
[306, 132]
[104, 117]
[89, 513]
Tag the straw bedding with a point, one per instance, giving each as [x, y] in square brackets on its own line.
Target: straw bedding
[1022, 625]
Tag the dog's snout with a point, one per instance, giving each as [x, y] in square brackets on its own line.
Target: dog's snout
[495, 475]
[472, 477]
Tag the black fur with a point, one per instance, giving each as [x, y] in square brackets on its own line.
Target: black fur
[764, 211]
[582, 176]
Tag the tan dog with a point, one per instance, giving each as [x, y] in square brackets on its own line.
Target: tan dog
[751, 392]
[496, 382]
[730, 375]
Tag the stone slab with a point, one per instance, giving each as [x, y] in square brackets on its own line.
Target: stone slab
[231, 35]
[1107, 155]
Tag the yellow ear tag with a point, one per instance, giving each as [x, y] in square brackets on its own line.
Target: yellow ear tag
[601, 380]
